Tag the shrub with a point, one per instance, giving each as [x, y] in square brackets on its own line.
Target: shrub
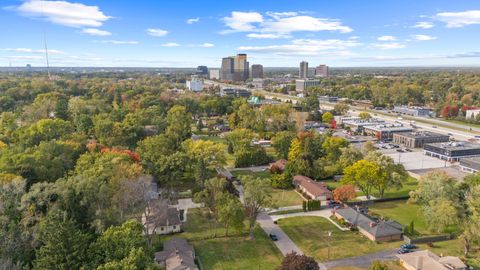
[282, 181]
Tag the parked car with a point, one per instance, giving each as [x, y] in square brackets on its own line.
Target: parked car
[403, 251]
[400, 150]
[408, 246]
[273, 237]
[408, 150]
[434, 126]
[449, 134]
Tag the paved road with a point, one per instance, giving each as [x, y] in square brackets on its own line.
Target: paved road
[362, 261]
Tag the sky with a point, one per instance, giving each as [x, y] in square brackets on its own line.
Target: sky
[275, 33]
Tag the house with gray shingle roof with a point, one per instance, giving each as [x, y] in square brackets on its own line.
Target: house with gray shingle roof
[379, 231]
[177, 254]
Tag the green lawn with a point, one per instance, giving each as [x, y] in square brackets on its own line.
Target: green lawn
[392, 265]
[403, 213]
[283, 198]
[264, 174]
[233, 252]
[310, 234]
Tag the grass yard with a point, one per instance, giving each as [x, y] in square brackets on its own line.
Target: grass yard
[403, 213]
[283, 198]
[392, 265]
[233, 252]
[310, 234]
[261, 174]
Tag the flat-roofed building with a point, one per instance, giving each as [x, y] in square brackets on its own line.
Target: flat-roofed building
[321, 71]
[418, 139]
[472, 114]
[470, 165]
[357, 124]
[214, 74]
[226, 72]
[302, 85]
[330, 99]
[303, 71]
[257, 71]
[385, 132]
[412, 111]
[452, 151]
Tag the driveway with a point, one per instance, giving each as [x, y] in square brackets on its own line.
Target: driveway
[362, 261]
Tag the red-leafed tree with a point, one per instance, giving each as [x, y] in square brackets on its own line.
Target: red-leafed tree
[344, 193]
[449, 111]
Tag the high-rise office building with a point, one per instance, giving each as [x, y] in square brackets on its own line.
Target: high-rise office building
[235, 68]
[226, 71]
[321, 71]
[303, 84]
[214, 74]
[202, 70]
[257, 71]
[303, 72]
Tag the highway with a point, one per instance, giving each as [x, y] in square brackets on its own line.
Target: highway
[457, 131]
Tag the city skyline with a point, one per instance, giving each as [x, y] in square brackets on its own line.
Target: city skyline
[344, 33]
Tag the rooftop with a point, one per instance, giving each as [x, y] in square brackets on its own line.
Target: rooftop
[313, 187]
[455, 145]
[427, 260]
[377, 229]
[419, 135]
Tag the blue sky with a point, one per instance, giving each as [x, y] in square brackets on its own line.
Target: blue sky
[339, 33]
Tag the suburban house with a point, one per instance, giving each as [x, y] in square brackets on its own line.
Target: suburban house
[375, 230]
[427, 260]
[315, 190]
[160, 218]
[279, 164]
[177, 254]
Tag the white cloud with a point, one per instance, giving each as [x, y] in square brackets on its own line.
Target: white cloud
[459, 19]
[119, 42]
[388, 46]
[267, 35]
[279, 24]
[27, 50]
[387, 38]
[96, 32]
[63, 13]
[193, 20]
[242, 21]
[424, 25]
[304, 47]
[423, 37]
[208, 45]
[156, 32]
[170, 44]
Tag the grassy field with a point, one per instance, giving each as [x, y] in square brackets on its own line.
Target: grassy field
[310, 234]
[392, 265]
[233, 252]
[403, 213]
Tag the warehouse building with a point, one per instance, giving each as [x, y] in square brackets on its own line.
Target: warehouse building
[470, 165]
[452, 151]
[384, 132]
[418, 139]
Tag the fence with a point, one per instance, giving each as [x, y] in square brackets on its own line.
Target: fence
[427, 239]
[377, 200]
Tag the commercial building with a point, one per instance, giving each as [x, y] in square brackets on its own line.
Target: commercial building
[315, 190]
[470, 165]
[385, 131]
[321, 71]
[257, 83]
[226, 71]
[235, 92]
[202, 71]
[257, 71]
[418, 139]
[328, 99]
[195, 84]
[412, 111]
[357, 124]
[303, 72]
[214, 74]
[472, 114]
[302, 85]
[452, 151]
[427, 260]
[375, 230]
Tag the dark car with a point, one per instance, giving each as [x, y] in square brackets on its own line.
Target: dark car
[400, 150]
[403, 251]
[408, 150]
[408, 246]
[273, 237]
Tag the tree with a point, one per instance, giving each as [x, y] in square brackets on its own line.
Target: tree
[179, 124]
[435, 185]
[344, 193]
[281, 180]
[440, 213]
[257, 196]
[327, 117]
[364, 115]
[349, 155]
[136, 259]
[378, 265]
[63, 246]
[392, 175]
[230, 212]
[204, 155]
[363, 174]
[294, 261]
[332, 147]
[341, 108]
[281, 143]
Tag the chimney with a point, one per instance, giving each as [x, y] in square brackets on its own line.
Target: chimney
[176, 251]
[419, 263]
[373, 224]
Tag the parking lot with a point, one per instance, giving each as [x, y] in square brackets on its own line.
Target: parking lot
[414, 159]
